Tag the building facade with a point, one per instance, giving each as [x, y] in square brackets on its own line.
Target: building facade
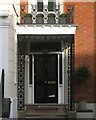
[9, 14]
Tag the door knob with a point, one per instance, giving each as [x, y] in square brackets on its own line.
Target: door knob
[45, 81]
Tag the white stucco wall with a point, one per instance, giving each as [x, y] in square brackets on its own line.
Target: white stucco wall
[12, 60]
[12, 64]
[0, 52]
[5, 57]
[8, 52]
[0, 72]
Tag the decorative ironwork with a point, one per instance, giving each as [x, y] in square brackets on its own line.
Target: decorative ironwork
[22, 13]
[69, 77]
[73, 79]
[68, 13]
[57, 14]
[71, 105]
[45, 11]
[21, 72]
[34, 13]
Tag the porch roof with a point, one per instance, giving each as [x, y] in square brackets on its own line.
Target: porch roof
[48, 29]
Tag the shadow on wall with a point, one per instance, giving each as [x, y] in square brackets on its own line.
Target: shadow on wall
[85, 60]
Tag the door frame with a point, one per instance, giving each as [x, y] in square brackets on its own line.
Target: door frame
[29, 88]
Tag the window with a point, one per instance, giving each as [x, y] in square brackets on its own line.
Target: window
[51, 6]
[40, 6]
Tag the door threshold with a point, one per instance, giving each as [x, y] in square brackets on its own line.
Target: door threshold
[49, 104]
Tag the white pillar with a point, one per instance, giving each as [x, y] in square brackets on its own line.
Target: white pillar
[61, 85]
[0, 50]
[66, 78]
[0, 71]
[3, 59]
[59, 95]
[63, 79]
[33, 96]
[5, 39]
[26, 78]
[45, 2]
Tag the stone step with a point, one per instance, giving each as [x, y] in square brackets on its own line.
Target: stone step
[48, 114]
[45, 108]
[46, 118]
[45, 111]
[49, 106]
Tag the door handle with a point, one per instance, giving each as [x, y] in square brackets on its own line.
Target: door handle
[52, 82]
[45, 82]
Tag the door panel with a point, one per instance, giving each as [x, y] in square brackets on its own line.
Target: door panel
[52, 77]
[39, 78]
[46, 78]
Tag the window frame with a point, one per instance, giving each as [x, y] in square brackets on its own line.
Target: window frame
[40, 6]
[51, 6]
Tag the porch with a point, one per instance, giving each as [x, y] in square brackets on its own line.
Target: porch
[45, 73]
[46, 63]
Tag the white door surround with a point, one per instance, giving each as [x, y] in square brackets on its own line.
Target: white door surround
[29, 88]
[35, 29]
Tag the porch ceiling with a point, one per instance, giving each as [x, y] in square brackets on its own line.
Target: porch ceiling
[67, 38]
[27, 43]
[46, 29]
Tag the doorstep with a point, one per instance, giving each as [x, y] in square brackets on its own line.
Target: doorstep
[85, 114]
[71, 114]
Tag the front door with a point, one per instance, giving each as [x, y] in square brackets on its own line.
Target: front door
[46, 78]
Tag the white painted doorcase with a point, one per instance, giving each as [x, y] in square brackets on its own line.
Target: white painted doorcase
[46, 78]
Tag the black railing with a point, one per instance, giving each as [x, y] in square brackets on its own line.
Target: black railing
[5, 101]
[2, 82]
[69, 14]
[55, 17]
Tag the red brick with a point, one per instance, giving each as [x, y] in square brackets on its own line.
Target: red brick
[84, 45]
[23, 12]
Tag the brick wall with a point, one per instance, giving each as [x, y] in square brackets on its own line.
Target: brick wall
[95, 52]
[23, 9]
[84, 46]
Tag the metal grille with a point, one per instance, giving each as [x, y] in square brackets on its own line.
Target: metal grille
[45, 46]
[45, 11]
[70, 76]
[34, 13]
[21, 72]
[68, 12]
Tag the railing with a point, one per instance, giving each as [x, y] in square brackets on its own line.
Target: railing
[5, 101]
[47, 17]
[69, 14]
[1, 94]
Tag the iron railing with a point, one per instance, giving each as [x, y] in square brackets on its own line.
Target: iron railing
[62, 14]
[6, 102]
